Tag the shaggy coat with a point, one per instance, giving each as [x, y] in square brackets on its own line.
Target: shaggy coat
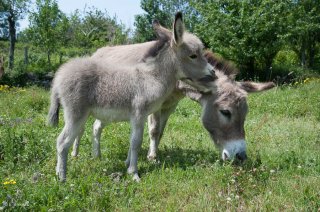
[124, 86]
[223, 111]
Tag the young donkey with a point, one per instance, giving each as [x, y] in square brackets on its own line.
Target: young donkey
[126, 91]
[223, 111]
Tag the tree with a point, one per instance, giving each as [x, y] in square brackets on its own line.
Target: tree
[47, 26]
[247, 31]
[95, 28]
[304, 33]
[12, 11]
[4, 30]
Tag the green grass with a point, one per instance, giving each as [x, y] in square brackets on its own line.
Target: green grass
[283, 172]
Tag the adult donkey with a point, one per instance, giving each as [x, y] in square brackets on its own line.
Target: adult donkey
[126, 91]
[223, 112]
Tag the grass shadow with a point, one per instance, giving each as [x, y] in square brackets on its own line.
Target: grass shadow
[178, 158]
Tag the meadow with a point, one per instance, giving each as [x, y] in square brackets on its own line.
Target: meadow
[282, 172]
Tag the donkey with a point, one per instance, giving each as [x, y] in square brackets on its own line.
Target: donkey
[126, 91]
[223, 112]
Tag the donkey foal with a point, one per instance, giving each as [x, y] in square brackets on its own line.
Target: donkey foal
[126, 91]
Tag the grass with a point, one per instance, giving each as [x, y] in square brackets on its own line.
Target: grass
[283, 172]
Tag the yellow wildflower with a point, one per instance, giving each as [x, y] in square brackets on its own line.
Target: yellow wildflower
[306, 80]
[4, 87]
[9, 182]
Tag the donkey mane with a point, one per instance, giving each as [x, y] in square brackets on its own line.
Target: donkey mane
[220, 64]
[163, 37]
[158, 45]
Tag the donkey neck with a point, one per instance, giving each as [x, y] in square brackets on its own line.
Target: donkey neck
[165, 65]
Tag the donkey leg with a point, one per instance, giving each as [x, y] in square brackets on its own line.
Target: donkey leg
[97, 130]
[66, 138]
[127, 162]
[157, 124]
[165, 114]
[75, 150]
[137, 126]
[64, 141]
[154, 126]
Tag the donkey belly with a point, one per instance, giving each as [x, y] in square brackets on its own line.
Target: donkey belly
[111, 114]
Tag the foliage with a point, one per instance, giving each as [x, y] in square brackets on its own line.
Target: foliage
[54, 32]
[282, 172]
[251, 33]
[304, 33]
[18, 10]
[18, 7]
[52, 38]
[256, 35]
[248, 32]
[95, 28]
[11, 11]
[4, 29]
[47, 25]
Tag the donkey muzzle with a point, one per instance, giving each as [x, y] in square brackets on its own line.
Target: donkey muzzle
[234, 150]
[242, 156]
[209, 77]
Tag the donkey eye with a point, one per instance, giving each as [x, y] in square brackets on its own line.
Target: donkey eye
[194, 56]
[226, 113]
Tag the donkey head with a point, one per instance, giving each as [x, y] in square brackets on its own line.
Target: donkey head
[187, 49]
[224, 110]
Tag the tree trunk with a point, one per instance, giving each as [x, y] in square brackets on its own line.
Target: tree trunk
[303, 54]
[311, 52]
[268, 67]
[26, 60]
[250, 68]
[1, 67]
[49, 57]
[12, 38]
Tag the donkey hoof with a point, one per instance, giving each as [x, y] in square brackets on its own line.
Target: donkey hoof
[61, 177]
[62, 180]
[136, 178]
[74, 154]
[152, 157]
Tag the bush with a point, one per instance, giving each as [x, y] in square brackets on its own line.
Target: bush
[286, 58]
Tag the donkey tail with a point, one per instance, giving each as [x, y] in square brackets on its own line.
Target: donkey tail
[53, 116]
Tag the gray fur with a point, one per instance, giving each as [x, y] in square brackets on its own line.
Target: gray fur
[53, 116]
[226, 132]
[123, 83]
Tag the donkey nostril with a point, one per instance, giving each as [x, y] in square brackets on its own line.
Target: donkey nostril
[213, 73]
[241, 156]
[225, 156]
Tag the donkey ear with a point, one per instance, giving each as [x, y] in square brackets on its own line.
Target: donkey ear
[178, 29]
[251, 87]
[161, 32]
